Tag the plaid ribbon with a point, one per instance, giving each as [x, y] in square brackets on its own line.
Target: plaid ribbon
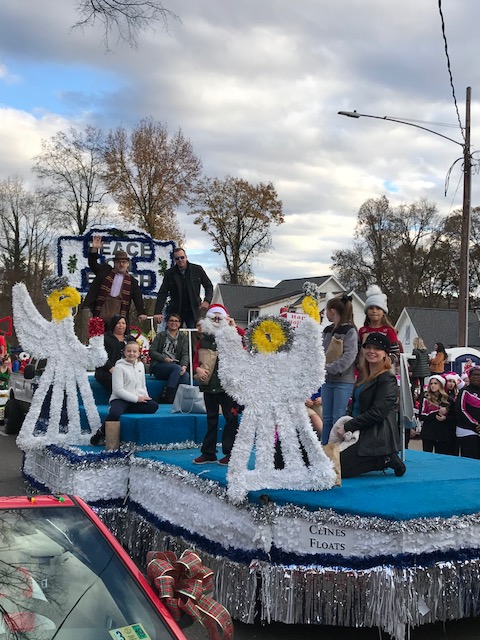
[184, 584]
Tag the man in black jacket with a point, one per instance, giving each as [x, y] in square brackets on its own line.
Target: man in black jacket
[114, 288]
[182, 282]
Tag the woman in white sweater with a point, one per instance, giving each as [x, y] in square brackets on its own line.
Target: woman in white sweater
[129, 390]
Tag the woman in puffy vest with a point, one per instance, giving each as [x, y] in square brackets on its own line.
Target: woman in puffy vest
[340, 341]
[419, 363]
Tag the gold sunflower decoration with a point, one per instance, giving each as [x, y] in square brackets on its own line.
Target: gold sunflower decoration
[310, 301]
[310, 307]
[269, 334]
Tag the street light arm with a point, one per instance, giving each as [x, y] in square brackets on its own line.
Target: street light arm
[355, 114]
[464, 280]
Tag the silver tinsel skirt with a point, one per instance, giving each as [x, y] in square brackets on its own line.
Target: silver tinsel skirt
[391, 598]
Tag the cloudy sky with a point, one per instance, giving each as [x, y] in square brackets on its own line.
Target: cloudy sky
[256, 85]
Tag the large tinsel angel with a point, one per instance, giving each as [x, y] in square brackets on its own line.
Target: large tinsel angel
[272, 378]
[54, 416]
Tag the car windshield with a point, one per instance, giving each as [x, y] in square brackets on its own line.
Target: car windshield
[60, 578]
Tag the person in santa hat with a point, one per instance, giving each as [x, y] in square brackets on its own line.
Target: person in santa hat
[453, 384]
[205, 367]
[437, 414]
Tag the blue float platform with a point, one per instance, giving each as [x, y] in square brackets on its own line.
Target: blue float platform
[161, 427]
[449, 487]
[377, 551]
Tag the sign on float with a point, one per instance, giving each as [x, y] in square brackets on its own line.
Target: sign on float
[149, 258]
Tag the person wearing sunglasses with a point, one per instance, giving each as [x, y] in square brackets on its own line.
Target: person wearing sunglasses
[182, 283]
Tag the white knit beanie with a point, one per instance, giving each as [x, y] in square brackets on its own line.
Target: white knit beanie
[376, 298]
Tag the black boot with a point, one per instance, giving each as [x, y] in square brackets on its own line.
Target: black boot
[393, 462]
[161, 396]
[170, 395]
[167, 396]
[99, 437]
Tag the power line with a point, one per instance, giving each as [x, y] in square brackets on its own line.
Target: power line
[449, 67]
[432, 123]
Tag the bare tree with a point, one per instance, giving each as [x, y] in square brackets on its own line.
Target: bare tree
[70, 170]
[150, 174]
[406, 250]
[26, 239]
[126, 18]
[238, 217]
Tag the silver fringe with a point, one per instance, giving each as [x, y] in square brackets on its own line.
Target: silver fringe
[393, 599]
[235, 584]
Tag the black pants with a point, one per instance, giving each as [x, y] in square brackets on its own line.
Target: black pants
[415, 383]
[469, 446]
[213, 401]
[119, 407]
[354, 465]
[104, 378]
[188, 318]
[446, 448]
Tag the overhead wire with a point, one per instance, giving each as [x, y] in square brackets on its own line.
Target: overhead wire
[460, 180]
[450, 68]
[432, 123]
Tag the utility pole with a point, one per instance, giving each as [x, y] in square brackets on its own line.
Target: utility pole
[464, 279]
[464, 273]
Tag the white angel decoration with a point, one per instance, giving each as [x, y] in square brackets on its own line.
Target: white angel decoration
[272, 378]
[54, 416]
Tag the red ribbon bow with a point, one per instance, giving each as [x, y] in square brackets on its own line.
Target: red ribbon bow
[184, 584]
[96, 327]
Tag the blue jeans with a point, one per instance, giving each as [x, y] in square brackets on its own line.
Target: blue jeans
[170, 371]
[335, 397]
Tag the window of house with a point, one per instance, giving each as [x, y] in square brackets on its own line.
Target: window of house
[407, 337]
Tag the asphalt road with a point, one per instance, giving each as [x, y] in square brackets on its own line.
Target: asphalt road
[11, 483]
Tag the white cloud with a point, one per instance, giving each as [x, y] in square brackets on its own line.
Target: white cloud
[257, 86]
[20, 139]
[7, 77]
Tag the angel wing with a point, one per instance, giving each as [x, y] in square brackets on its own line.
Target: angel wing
[234, 363]
[307, 356]
[29, 323]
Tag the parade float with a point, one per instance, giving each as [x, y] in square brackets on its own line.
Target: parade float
[288, 545]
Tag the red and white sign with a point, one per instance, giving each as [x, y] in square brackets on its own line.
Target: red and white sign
[295, 319]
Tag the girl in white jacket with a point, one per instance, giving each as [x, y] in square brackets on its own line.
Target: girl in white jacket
[129, 390]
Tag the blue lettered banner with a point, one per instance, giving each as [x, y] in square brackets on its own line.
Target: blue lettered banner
[149, 259]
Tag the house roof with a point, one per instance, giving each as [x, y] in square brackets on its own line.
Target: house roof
[236, 297]
[296, 284]
[441, 325]
[279, 296]
[289, 288]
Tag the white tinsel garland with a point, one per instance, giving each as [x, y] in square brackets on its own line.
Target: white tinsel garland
[91, 481]
[65, 375]
[273, 387]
